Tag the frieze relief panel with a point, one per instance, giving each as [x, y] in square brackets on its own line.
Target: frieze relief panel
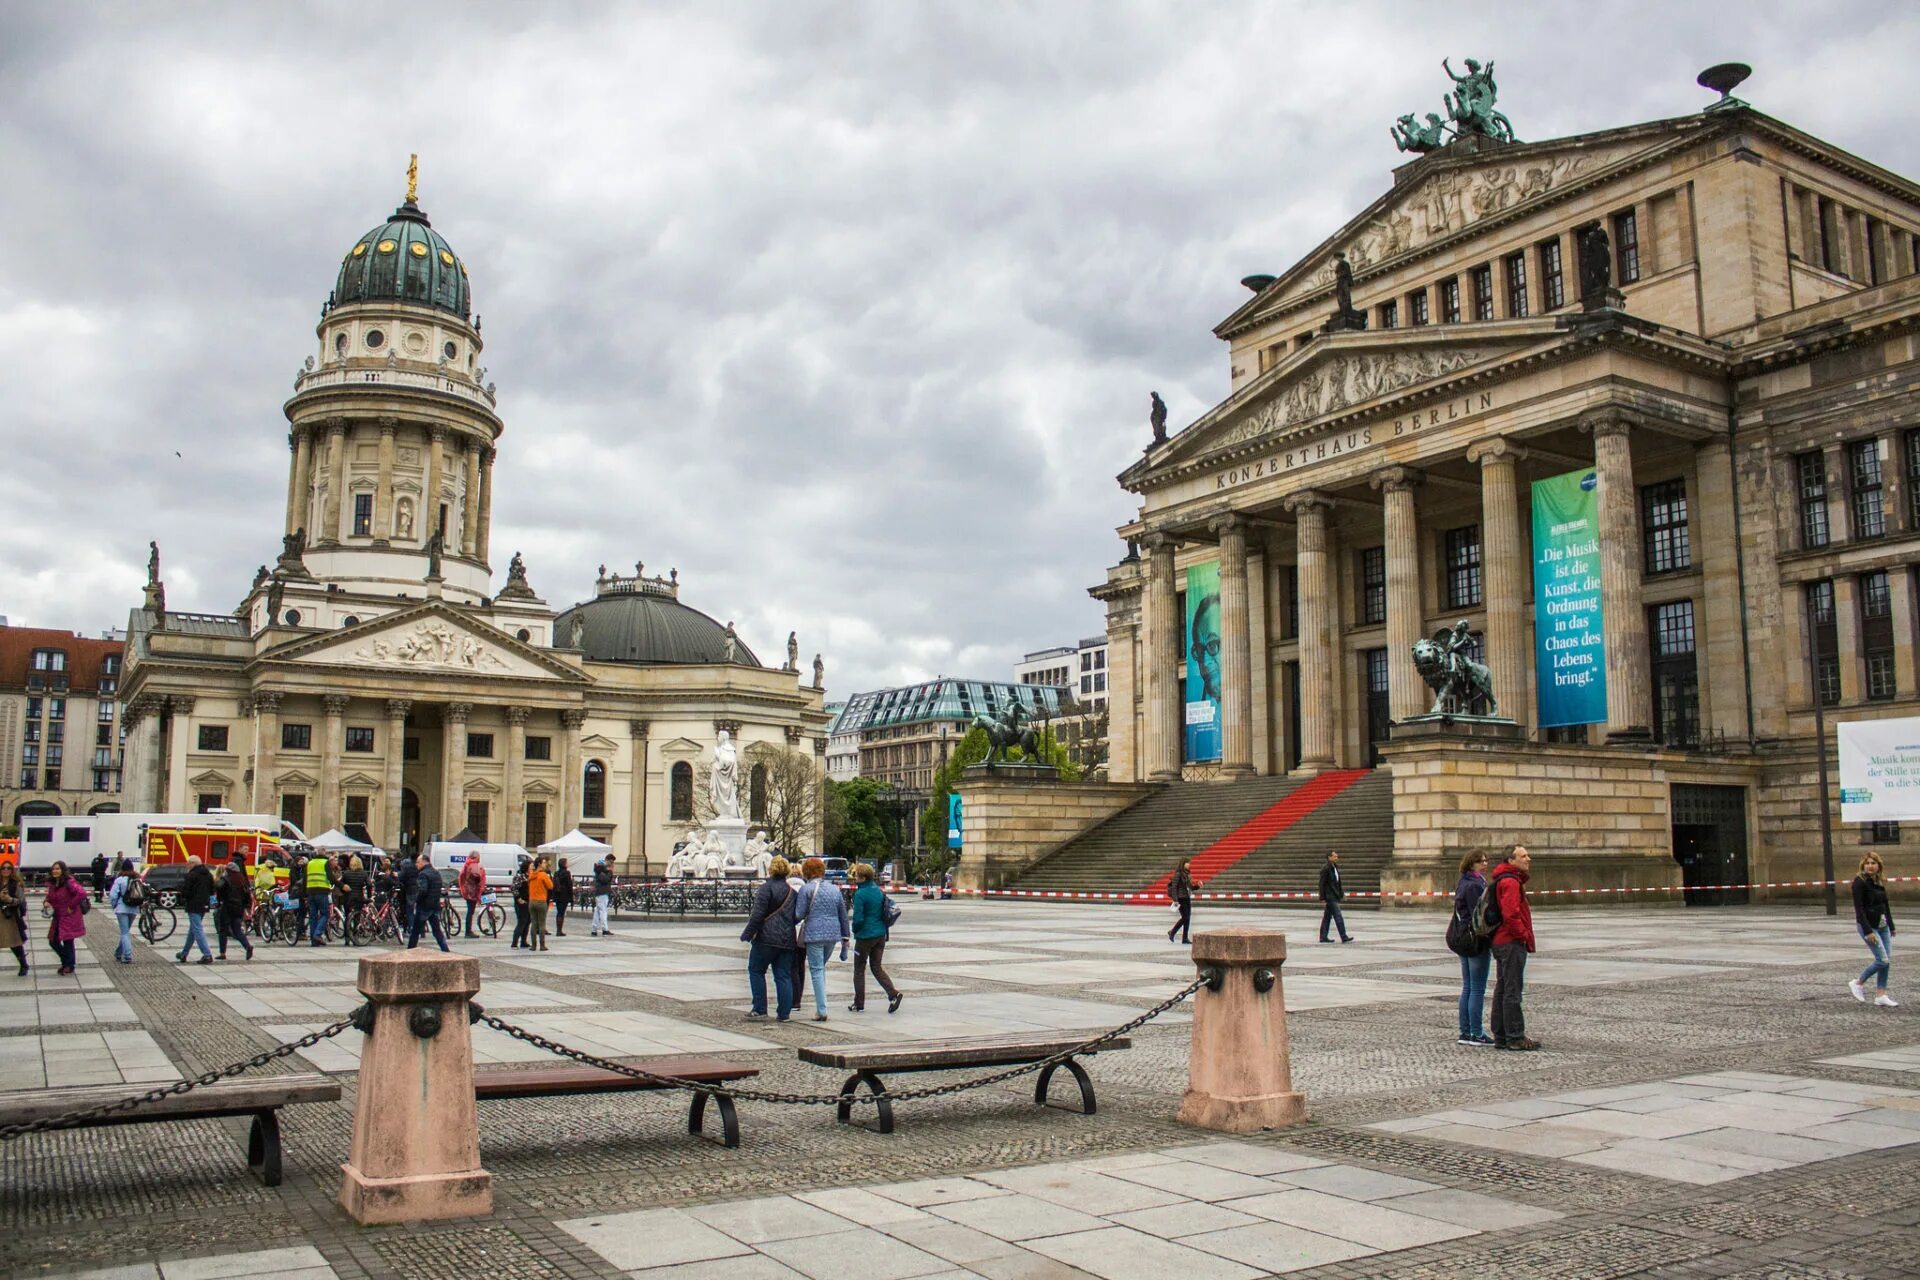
[1343, 383]
[428, 645]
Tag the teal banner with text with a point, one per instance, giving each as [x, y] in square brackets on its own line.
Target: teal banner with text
[1569, 639]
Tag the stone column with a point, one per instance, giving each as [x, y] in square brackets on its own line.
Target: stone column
[1893, 482]
[485, 537]
[1846, 631]
[1900, 583]
[1719, 641]
[266, 741]
[1236, 665]
[1239, 1073]
[515, 818]
[637, 801]
[297, 479]
[383, 498]
[332, 745]
[1629, 682]
[1406, 691]
[336, 479]
[1163, 685]
[453, 794]
[134, 723]
[430, 501]
[397, 709]
[1309, 511]
[470, 519]
[179, 742]
[570, 783]
[1505, 576]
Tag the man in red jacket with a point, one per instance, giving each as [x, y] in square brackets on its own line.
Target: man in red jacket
[1512, 944]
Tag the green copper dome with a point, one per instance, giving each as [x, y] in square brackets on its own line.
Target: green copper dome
[404, 260]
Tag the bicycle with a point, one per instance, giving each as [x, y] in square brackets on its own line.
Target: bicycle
[487, 916]
[374, 922]
[156, 922]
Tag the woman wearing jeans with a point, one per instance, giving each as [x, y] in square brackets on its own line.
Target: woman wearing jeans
[1873, 916]
[821, 910]
[1473, 966]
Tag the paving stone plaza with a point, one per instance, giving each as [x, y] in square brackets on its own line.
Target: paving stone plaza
[1710, 1103]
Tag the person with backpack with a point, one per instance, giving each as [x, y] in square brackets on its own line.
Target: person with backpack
[1873, 917]
[1332, 893]
[1504, 907]
[602, 897]
[1180, 890]
[874, 915]
[472, 883]
[232, 904]
[769, 932]
[126, 896]
[1475, 952]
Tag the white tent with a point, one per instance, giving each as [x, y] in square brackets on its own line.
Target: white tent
[338, 841]
[575, 841]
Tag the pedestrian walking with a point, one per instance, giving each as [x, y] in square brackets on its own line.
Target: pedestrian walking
[319, 881]
[13, 914]
[472, 883]
[522, 916]
[1512, 944]
[1332, 893]
[354, 881]
[1475, 952]
[196, 899]
[1181, 891]
[562, 897]
[99, 876]
[404, 876]
[602, 895]
[297, 897]
[125, 895]
[821, 910]
[797, 962]
[233, 903]
[1873, 917]
[427, 894]
[769, 932]
[69, 903]
[539, 895]
[870, 933]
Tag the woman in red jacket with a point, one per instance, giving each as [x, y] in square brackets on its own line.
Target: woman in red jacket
[69, 903]
[1512, 944]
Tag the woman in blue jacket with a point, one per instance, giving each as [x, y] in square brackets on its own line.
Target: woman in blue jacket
[820, 910]
[869, 940]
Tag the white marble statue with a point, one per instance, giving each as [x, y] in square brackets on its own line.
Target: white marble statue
[724, 786]
[677, 865]
[758, 854]
[711, 856]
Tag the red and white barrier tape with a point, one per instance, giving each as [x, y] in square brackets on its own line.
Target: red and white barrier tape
[1200, 895]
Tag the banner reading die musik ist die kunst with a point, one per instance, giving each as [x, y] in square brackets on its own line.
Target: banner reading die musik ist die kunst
[1203, 662]
[1569, 640]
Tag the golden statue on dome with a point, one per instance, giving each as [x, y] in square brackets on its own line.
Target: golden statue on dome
[413, 178]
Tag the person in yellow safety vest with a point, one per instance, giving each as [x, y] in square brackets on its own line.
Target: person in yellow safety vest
[319, 880]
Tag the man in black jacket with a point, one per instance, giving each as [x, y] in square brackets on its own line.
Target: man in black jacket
[196, 895]
[602, 895]
[426, 905]
[408, 871]
[770, 931]
[1331, 892]
[233, 900]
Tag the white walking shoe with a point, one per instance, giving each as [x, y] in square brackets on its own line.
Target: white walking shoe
[1859, 991]
[1886, 1001]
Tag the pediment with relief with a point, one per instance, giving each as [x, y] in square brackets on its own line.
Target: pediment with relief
[432, 641]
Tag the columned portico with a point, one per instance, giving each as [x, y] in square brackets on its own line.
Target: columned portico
[1629, 691]
[1406, 690]
[1163, 643]
[453, 789]
[1236, 666]
[1309, 511]
[1507, 654]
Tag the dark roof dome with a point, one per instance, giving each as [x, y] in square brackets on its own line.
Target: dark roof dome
[404, 260]
[641, 619]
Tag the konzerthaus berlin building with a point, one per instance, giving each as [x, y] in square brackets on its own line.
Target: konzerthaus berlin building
[1733, 391]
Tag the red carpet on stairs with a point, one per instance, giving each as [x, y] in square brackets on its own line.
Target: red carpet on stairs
[1243, 840]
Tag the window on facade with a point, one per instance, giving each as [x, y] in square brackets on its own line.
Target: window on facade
[593, 791]
[359, 738]
[49, 659]
[1373, 585]
[536, 823]
[1463, 567]
[757, 786]
[1626, 246]
[36, 707]
[410, 749]
[1450, 301]
[29, 778]
[1663, 526]
[480, 746]
[1099, 682]
[1290, 579]
[1379, 708]
[1553, 279]
[103, 735]
[1866, 489]
[56, 755]
[540, 748]
[680, 797]
[293, 808]
[1099, 659]
[103, 713]
[1824, 214]
[1086, 684]
[109, 685]
[1876, 270]
[103, 757]
[477, 817]
[1390, 314]
[1417, 308]
[1086, 662]
[208, 801]
[1812, 469]
[1913, 478]
[1482, 281]
[106, 779]
[1883, 833]
[1517, 284]
[362, 515]
[1876, 634]
[1676, 679]
[57, 731]
[296, 737]
[56, 708]
[213, 737]
[1820, 617]
[30, 755]
[53, 779]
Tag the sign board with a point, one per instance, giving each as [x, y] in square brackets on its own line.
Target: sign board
[1879, 770]
[1569, 636]
[1203, 662]
[953, 819]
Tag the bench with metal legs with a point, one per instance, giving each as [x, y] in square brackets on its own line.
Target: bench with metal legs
[867, 1062]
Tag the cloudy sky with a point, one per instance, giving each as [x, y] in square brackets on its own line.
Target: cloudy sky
[849, 311]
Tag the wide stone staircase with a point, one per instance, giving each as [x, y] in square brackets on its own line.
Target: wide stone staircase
[1260, 835]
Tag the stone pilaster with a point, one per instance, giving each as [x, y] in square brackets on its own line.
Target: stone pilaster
[383, 497]
[179, 742]
[336, 480]
[1505, 577]
[430, 500]
[515, 819]
[1406, 691]
[1236, 666]
[570, 783]
[1309, 511]
[266, 741]
[332, 746]
[1163, 643]
[1900, 584]
[1846, 630]
[470, 519]
[637, 796]
[1629, 683]
[453, 792]
[397, 709]
[1710, 532]
[484, 539]
[296, 479]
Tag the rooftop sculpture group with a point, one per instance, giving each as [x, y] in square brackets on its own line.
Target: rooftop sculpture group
[1470, 113]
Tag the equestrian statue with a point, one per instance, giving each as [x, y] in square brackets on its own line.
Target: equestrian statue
[1012, 728]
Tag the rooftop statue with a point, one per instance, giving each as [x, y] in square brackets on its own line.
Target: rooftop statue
[1422, 138]
[1011, 728]
[1469, 111]
[1157, 416]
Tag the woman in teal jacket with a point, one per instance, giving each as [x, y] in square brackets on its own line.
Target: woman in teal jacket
[870, 940]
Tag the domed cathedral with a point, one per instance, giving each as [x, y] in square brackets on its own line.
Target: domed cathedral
[373, 678]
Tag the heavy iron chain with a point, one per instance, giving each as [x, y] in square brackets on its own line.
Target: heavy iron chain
[74, 1119]
[1094, 1045]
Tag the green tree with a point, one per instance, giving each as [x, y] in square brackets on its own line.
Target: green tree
[971, 750]
[857, 821]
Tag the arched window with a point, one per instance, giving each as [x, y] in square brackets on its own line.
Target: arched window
[757, 793]
[680, 807]
[593, 794]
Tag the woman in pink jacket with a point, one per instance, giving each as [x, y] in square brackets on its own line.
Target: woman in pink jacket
[69, 903]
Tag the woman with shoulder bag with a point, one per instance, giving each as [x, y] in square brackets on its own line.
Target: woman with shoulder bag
[522, 913]
[769, 933]
[820, 925]
[870, 930]
[1873, 917]
[13, 914]
[1476, 954]
[69, 902]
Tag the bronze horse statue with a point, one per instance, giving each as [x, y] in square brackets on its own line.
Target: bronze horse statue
[1010, 730]
[1457, 681]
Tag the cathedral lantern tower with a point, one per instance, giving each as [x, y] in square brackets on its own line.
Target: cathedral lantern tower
[393, 426]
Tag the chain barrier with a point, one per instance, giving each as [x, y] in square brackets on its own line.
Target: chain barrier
[1159, 898]
[75, 1119]
[539, 1041]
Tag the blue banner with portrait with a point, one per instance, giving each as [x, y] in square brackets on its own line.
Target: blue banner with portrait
[1203, 663]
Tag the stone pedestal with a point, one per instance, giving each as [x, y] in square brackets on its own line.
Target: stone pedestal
[1009, 820]
[416, 1134]
[732, 833]
[1239, 1075]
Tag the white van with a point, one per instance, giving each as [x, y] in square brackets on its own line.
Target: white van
[500, 860]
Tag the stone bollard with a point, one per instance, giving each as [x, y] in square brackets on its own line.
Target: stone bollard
[416, 1134]
[1239, 1078]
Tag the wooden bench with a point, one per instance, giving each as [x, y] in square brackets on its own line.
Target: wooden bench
[258, 1096]
[867, 1061]
[555, 1082]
